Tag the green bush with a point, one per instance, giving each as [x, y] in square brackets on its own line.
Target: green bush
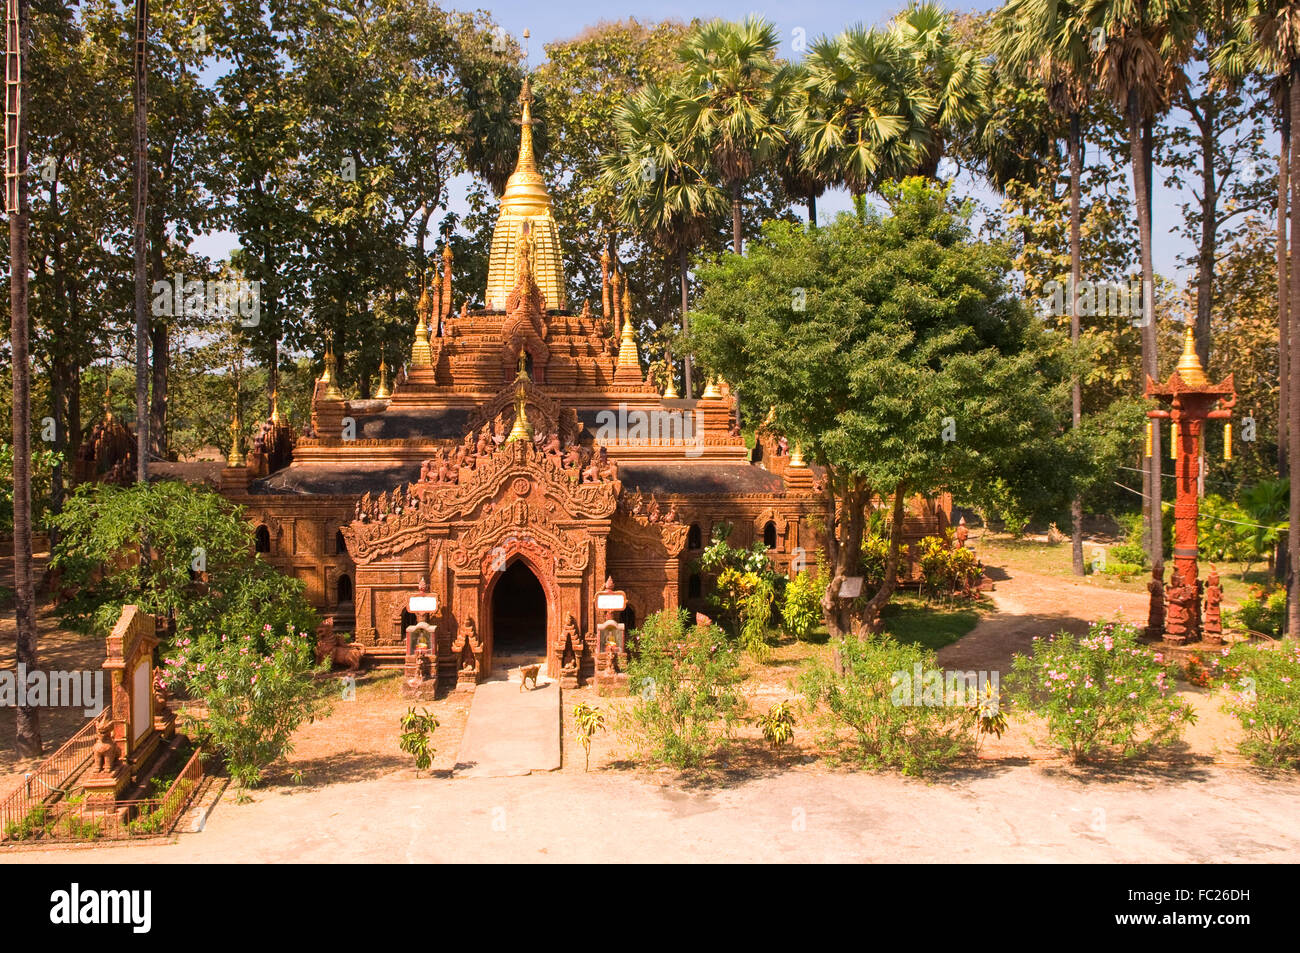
[1122, 569]
[888, 730]
[1266, 702]
[946, 569]
[1100, 695]
[1264, 611]
[802, 611]
[685, 680]
[1131, 553]
[257, 687]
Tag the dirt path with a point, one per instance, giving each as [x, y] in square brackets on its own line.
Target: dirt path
[1033, 604]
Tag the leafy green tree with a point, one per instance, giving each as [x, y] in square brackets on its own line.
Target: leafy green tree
[201, 571]
[893, 352]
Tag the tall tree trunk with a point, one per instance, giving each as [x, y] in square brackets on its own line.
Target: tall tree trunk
[1209, 231]
[684, 263]
[878, 602]
[812, 209]
[141, 145]
[1281, 560]
[159, 344]
[1139, 154]
[1293, 320]
[28, 734]
[1076, 265]
[735, 217]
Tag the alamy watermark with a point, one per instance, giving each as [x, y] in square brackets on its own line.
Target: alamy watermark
[195, 297]
[57, 689]
[1101, 298]
[937, 688]
[680, 424]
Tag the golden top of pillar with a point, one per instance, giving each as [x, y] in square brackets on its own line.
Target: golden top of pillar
[382, 392]
[526, 201]
[329, 377]
[1189, 365]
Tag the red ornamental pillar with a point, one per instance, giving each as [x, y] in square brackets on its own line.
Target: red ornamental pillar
[1192, 400]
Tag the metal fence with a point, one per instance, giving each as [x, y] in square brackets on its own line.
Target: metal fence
[48, 779]
[71, 819]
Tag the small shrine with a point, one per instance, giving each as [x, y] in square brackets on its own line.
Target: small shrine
[1176, 613]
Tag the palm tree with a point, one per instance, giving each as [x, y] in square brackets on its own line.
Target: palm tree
[734, 91]
[660, 175]
[859, 122]
[951, 75]
[16, 64]
[1049, 41]
[1145, 43]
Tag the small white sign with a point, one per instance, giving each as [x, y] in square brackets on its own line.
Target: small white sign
[851, 587]
[611, 601]
[423, 604]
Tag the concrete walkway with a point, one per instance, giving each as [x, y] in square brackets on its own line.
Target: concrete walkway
[511, 732]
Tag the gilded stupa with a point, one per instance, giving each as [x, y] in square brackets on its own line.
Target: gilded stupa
[526, 207]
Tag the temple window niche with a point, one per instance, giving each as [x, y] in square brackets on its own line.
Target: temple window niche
[262, 540]
[769, 535]
[694, 537]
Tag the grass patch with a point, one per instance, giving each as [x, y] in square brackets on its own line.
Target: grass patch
[913, 621]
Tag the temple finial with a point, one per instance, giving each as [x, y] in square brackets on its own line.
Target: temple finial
[1189, 365]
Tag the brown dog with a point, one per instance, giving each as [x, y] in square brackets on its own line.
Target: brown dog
[526, 673]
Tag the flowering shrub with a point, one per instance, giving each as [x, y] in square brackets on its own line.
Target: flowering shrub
[1102, 694]
[1266, 700]
[684, 679]
[257, 688]
[1203, 672]
[1264, 610]
[860, 694]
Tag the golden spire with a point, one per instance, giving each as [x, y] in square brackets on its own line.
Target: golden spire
[1189, 365]
[332, 391]
[628, 356]
[275, 405]
[670, 392]
[382, 392]
[525, 202]
[235, 458]
[796, 457]
[711, 391]
[421, 353]
[522, 430]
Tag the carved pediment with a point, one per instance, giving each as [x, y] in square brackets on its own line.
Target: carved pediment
[640, 532]
[521, 527]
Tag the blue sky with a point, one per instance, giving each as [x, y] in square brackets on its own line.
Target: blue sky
[813, 17]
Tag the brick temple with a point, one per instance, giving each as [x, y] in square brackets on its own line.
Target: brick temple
[520, 461]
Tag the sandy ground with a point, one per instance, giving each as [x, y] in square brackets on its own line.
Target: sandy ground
[1016, 813]
[348, 793]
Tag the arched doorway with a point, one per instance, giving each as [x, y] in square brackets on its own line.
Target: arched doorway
[518, 613]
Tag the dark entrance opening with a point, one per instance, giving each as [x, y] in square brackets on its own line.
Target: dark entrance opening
[518, 613]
